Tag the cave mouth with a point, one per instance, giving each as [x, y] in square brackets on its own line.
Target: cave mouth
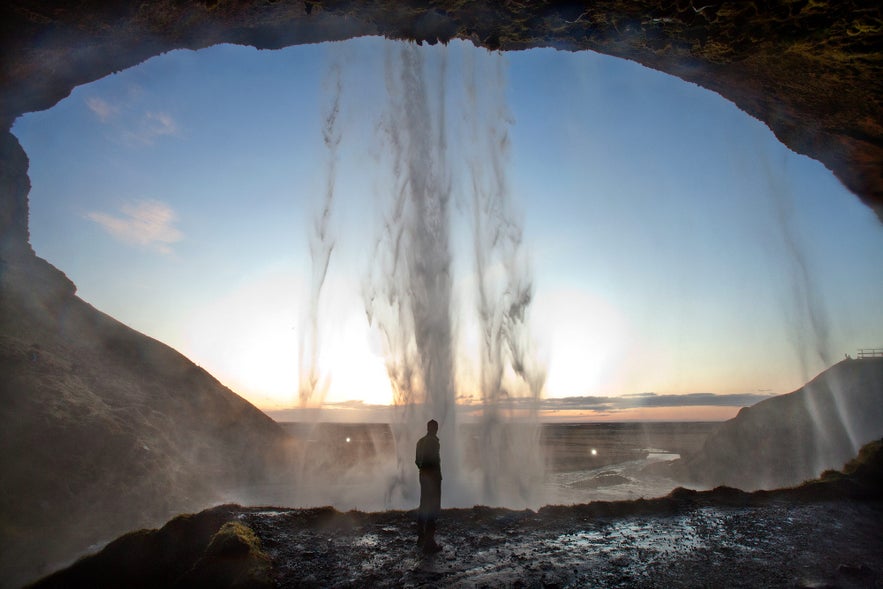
[674, 216]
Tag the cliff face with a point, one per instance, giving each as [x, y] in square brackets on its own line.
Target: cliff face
[792, 438]
[103, 429]
[14, 188]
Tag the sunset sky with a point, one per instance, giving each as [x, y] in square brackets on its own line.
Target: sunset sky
[680, 254]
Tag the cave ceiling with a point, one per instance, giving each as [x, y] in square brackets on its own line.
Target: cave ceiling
[812, 70]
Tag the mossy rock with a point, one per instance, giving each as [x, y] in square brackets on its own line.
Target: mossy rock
[868, 463]
[232, 559]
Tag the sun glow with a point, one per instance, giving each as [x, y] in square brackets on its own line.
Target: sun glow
[583, 337]
[356, 371]
[249, 336]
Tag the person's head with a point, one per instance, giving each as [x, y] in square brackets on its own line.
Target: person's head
[432, 426]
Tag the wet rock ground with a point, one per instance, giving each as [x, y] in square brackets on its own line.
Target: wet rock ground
[827, 532]
[662, 543]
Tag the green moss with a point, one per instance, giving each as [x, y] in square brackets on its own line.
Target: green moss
[869, 457]
[830, 475]
[235, 538]
[865, 27]
[233, 558]
[860, 477]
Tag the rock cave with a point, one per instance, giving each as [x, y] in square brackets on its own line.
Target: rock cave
[811, 71]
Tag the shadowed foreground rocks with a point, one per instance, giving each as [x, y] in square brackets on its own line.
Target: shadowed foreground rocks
[825, 533]
[104, 430]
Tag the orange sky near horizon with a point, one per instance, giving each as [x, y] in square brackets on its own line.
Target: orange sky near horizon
[355, 413]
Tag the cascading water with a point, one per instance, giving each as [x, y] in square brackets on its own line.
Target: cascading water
[511, 464]
[313, 385]
[809, 324]
[409, 295]
[810, 335]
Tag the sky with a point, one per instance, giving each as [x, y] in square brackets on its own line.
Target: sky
[684, 262]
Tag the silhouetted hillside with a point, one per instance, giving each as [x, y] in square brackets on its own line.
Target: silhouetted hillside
[103, 429]
[791, 438]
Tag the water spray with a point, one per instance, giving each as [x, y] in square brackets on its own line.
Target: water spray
[409, 299]
[313, 386]
[511, 464]
[409, 295]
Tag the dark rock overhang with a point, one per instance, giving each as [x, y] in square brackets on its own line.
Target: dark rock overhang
[812, 70]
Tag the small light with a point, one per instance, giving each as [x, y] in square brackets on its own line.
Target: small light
[347, 440]
[594, 452]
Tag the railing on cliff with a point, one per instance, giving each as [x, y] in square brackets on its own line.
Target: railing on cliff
[870, 353]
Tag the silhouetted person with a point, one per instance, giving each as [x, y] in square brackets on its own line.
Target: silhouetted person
[429, 463]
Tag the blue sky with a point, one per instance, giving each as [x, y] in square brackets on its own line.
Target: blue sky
[665, 228]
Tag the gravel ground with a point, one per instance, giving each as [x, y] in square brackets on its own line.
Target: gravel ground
[678, 543]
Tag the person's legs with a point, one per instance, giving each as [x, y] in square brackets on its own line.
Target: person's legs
[421, 529]
[431, 492]
[423, 510]
[429, 544]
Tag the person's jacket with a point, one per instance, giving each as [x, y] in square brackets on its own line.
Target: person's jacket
[428, 453]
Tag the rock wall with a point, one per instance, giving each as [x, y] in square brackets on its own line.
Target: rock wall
[103, 429]
[14, 188]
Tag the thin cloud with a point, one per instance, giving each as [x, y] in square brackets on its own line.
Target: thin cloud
[695, 400]
[607, 403]
[133, 125]
[104, 110]
[652, 400]
[601, 405]
[152, 126]
[160, 123]
[146, 223]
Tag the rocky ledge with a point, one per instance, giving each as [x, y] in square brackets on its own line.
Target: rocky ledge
[824, 533]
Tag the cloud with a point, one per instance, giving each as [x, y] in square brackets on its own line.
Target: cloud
[133, 125]
[101, 108]
[160, 123]
[651, 400]
[633, 401]
[344, 411]
[152, 126]
[356, 411]
[147, 223]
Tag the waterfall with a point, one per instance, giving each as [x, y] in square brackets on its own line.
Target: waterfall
[409, 294]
